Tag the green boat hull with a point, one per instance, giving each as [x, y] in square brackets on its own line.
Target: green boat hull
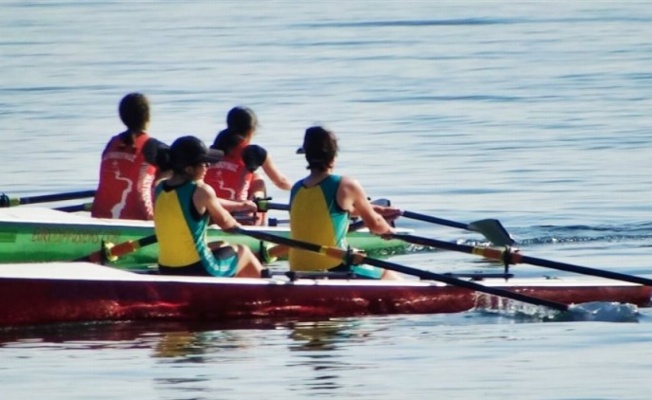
[50, 236]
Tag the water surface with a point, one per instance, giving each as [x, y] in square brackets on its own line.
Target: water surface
[535, 113]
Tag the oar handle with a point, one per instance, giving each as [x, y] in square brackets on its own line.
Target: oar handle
[265, 205]
[111, 252]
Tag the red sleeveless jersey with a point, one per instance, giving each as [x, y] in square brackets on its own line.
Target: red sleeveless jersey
[126, 180]
[229, 177]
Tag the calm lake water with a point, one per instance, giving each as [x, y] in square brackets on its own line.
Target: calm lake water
[538, 114]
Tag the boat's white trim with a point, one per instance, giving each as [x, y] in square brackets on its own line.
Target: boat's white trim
[83, 271]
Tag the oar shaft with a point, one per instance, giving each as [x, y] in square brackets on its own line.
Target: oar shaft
[76, 207]
[492, 229]
[360, 258]
[465, 284]
[517, 258]
[435, 220]
[268, 237]
[264, 205]
[15, 201]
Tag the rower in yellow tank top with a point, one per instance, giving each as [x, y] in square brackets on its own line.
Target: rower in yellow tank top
[184, 206]
[321, 205]
[315, 217]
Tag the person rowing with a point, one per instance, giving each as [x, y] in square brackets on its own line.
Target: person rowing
[321, 207]
[127, 169]
[235, 177]
[184, 206]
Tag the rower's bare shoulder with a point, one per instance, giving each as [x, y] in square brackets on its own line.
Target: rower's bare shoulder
[351, 185]
[204, 189]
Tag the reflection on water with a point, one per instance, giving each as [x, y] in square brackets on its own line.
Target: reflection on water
[317, 352]
[316, 336]
[111, 333]
[91, 335]
[188, 349]
[193, 358]
[322, 352]
[339, 358]
[183, 346]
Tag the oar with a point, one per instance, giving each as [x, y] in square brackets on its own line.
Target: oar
[265, 205]
[110, 252]
[76, 207]
[6, 201]
[509, 257]
[492, 229]
[360, 258]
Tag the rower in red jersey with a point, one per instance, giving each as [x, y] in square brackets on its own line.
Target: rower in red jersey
[235, 177]
[127, 169]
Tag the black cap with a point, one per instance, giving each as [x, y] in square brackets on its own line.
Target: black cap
[190, 150]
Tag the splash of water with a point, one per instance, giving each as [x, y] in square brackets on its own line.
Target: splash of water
[593, 311]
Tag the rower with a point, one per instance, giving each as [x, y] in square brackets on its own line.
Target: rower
[321, 206]
[128, 169]
[184, 207]
[235, 177]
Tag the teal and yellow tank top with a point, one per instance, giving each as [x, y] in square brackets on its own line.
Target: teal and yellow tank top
[180, 231]
[316, 217]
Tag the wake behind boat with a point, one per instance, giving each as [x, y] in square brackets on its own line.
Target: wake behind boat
[34, 234]
[58, 292]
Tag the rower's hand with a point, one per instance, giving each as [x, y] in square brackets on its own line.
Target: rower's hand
[389, 234]
[249, 205]
[262, 203]
[233, 228]
[389, 213]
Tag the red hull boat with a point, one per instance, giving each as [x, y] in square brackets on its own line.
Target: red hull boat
[46, 293]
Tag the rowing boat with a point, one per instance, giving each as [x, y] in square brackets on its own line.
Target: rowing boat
[32, 234]
[63, 292]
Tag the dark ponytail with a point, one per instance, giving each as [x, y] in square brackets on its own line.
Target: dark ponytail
[240, 121]
[227, 140]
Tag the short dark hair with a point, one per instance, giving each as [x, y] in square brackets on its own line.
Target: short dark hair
[320, 147]
[134, 111]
